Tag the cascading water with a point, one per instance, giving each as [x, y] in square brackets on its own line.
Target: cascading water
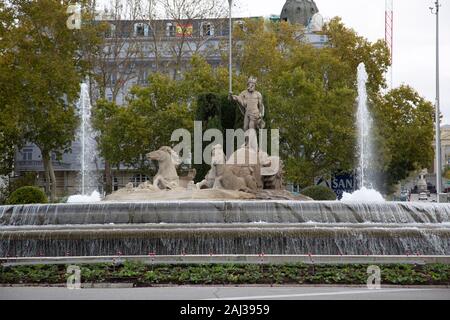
[364, 122]
[88, 153]
[225, 227]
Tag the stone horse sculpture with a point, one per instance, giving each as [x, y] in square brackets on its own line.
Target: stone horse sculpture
[168, 161]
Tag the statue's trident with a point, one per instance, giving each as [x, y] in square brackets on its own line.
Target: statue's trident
[230, 71]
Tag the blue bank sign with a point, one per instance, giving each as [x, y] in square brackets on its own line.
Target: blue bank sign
[341, 183]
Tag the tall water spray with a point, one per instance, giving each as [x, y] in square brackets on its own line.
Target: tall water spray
[364, 124]
[365, 149]
[88, 154]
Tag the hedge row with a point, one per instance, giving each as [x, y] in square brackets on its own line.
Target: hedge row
[147, 275]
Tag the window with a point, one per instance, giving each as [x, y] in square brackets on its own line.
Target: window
[112, 79]
[225, 30]
[141, 30]
[143, 77]
[171, 30]
[27, 154]
[129, 70]
[115, 184]
[137, 179]
[207, 29]
[111, 32]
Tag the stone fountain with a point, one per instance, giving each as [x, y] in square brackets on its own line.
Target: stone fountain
[249, 173]
[238, 208]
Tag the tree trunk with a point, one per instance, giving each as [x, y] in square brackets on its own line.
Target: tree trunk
[108, 178]
[53, 180]
[46, 174]
[49, 175]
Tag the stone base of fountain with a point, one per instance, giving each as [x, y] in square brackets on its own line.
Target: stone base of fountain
[224, 227]
[140, 195]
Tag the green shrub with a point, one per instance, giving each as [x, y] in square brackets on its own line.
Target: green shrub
[27, 195]
[319, 193]
[12, 184]
[26, 179]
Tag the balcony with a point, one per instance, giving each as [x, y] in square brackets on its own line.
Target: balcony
[34, 165]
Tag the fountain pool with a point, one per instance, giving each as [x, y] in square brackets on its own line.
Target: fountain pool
[225, 227]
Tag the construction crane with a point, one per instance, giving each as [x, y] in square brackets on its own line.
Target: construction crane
[389, 38]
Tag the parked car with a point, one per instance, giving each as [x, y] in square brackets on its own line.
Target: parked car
[404, 196]
[423, 196]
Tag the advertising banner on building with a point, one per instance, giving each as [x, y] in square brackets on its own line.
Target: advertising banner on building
[185, 30]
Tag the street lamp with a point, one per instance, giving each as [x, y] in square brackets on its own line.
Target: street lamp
[230, 2]
[435, 11]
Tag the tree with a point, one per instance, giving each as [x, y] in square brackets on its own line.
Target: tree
[316, 127]
[306, 88]
[11, 133]
[405, 135]
[353, 49]
[447, 172]
[46, 65]
[118, 62]
[150, 114]
[311, 91]
[144, 123]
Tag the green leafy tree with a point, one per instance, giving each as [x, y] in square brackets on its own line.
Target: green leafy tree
[46, 64]
[144, 123]
[404, 134]
[315, 141]
[311, 93]
[106, 119]
[352, 49]
[11, 133]
[447, 173]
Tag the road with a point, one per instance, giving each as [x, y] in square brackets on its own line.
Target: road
[226, 293]
[415, 198]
